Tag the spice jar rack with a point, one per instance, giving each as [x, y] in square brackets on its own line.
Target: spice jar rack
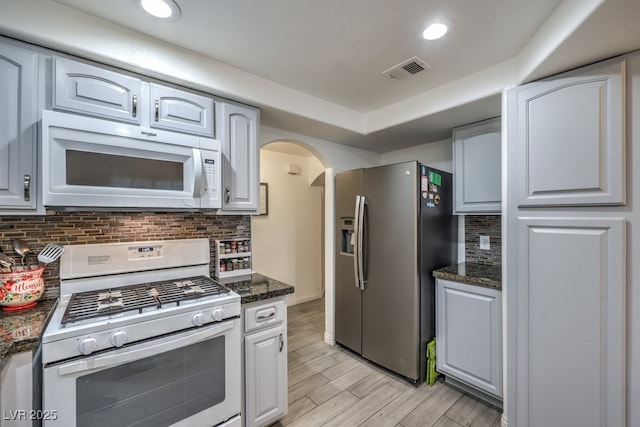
[233, 257]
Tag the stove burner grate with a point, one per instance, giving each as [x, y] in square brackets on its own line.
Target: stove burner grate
[140, 297]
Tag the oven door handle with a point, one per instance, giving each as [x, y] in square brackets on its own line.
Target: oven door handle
[145, 350]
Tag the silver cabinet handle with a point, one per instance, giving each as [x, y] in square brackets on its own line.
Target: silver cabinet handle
[27, 188]
[157, 110]
[134, 106]
[281, 343]
[269, 316]
[227, 195]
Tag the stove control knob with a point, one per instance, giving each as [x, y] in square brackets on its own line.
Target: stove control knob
[88, 345]
[217, 314]
[119, 338]
[198, 319]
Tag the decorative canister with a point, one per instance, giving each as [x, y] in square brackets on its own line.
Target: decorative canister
[21, 289]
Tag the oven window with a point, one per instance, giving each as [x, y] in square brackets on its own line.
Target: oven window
[109, 170]
[156, 391]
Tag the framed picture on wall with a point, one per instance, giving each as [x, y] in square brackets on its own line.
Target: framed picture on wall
[264, 199]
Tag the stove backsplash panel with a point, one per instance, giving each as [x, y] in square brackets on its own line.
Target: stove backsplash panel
[483, 225]
[106, 227]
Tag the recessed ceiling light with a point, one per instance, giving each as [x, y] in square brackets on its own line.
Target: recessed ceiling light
[437, 29]
[162, 9]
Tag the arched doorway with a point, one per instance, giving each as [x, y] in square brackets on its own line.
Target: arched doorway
[288, 241]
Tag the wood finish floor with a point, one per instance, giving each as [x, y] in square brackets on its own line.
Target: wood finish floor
[330, 386]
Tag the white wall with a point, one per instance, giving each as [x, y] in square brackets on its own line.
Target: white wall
[287, 243]
[437, 154]
[336, 156]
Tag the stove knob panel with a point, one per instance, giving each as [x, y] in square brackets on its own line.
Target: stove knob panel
[217, 314]
[119, 338]
[198, 319]
[88, 345]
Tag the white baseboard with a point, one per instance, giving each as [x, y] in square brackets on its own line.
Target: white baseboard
[329, 339]
[293, 299]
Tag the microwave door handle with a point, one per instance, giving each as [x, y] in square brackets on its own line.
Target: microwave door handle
[147, 350]
[198, 176]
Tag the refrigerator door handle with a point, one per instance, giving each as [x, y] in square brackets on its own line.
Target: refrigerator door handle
[360, 239]
[356, 259]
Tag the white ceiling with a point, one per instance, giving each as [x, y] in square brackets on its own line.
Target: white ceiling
[315, 67]
[337, 49]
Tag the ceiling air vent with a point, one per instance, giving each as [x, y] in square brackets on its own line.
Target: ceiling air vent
[406, 69]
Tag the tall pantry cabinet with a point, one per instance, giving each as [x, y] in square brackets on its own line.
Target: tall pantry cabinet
[573, 333]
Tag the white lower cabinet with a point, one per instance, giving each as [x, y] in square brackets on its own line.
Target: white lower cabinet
[16, 401]
[265, 362]
[469, 335]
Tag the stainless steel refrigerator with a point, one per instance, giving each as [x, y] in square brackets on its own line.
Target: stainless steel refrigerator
[395, 226]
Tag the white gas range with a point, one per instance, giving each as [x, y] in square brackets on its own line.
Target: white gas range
[142, 336]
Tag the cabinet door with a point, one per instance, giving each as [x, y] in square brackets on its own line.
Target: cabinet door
[571, 139]
[240, 150]
[83, 88]
[16, 390]
[181, 111]
[477, 167]
[18, 125]
[571, 317]
[265, 376]
[469, 334]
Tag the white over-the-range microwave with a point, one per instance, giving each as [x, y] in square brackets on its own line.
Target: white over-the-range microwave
[93, 163]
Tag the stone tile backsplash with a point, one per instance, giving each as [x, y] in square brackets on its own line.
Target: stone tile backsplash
[483, 225]
[107, 227]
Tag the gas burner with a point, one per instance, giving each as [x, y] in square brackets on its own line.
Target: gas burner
[184, 283]
[112, 304]
[193, 290]
[110, 295]
[140, 298]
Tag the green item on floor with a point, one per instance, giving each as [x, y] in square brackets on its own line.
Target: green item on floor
[432, 374]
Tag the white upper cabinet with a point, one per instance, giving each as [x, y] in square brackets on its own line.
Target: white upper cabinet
[240, 178]
[175, 109]
[87, 89]
[18, 128]
[477, 177]
[570, 141]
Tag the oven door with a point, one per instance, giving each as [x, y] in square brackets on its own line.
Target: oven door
[191, 378]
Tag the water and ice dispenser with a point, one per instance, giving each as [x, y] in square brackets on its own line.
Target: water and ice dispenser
[347, 241]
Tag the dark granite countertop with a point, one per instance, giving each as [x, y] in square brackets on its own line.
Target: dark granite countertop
[21, 330]
[488, 276]
[257, 287]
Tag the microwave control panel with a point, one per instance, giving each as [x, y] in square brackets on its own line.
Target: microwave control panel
[211, 172]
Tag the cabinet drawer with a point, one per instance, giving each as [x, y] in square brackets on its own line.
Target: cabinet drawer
[264, 315]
